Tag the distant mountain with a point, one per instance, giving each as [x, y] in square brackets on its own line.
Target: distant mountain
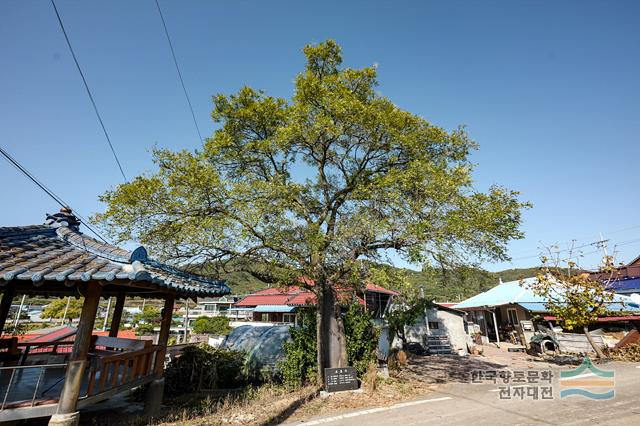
[454, 285]
[442, 285]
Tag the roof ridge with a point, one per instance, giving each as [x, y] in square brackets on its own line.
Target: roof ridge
[9, 231]
[93, 246]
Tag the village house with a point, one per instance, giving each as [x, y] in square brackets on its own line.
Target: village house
[67, 369]
[442, 330]
[217, 307]
[498, 313]
[626, 279]
[272, 306]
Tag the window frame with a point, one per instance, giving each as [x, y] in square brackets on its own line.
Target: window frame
[510, 318]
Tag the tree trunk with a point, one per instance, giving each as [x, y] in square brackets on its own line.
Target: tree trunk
[332, 348]
[403, 339]
[595, 347]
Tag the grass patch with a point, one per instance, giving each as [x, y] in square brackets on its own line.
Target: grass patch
[266, 404]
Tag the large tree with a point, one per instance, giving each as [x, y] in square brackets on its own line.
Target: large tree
[321, 186]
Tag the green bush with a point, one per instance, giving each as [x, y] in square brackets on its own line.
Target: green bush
[300, 364]
[204, 367]
[362, 338]
[215, 325]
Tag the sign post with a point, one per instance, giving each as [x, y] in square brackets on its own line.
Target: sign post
[340, 379]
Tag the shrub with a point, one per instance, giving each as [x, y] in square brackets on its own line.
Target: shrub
[362, 339]
[204, 367]
[56, 308]
[300, 364]
[215, 325]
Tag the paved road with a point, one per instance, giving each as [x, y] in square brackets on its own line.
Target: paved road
[467, 404]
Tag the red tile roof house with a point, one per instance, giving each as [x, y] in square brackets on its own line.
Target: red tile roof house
[278, 305]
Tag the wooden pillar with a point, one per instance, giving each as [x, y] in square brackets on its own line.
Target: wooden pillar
[117, 314]
[165, 328]
[5, 305]
[155, 391]
[78, 359]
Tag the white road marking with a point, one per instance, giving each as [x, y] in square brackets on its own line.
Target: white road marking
[372, 410]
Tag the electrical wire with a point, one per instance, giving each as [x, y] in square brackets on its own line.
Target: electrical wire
[175, 61]
[86, 86]
[562, 250]
[48, 191]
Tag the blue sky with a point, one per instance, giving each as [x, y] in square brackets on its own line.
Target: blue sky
[548, 89]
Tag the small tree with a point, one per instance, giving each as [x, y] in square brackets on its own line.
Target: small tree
[147, 320]
[57, 307]
[405, 314]
[211, 325]
[573, 296]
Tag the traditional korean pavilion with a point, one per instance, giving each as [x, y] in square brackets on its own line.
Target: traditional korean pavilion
[57, 260]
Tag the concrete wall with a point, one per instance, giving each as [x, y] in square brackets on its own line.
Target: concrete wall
[449, 323]
[453, 326]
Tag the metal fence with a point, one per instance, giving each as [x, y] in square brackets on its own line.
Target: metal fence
[20, 378]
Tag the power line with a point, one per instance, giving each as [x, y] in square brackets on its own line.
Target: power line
[562, 250]
[86, 86]
[48, 191]
[526, 253]
[175, 61]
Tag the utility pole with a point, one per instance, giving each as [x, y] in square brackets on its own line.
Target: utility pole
[64, 316]
[15, 325]
[603, 243]
[186, 321]
[106, 315]
[426, 315]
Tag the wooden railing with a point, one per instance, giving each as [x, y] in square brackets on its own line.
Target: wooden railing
[113, 371]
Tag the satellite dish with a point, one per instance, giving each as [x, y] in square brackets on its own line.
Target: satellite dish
[635, 298]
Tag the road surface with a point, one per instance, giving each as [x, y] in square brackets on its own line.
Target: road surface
[480, 404]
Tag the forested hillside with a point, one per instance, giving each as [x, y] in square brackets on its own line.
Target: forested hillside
[439, 284]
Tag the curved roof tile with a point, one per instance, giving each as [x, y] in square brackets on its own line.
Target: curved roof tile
[58, 251]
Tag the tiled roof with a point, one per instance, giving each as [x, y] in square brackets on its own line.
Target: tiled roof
[292, 296]
[377, 289]
[303, 299]
[268, 299]
[57, 252]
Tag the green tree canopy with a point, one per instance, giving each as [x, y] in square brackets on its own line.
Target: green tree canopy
[211, 325]
[319, 185]
[56, 308]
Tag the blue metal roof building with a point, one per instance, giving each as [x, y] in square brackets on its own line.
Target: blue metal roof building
[520, 293]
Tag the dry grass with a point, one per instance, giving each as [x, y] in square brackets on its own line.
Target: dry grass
[388, 391]
[270, 404]
[259, 406]
[274, 404]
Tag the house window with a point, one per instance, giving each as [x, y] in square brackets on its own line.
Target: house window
[289, 318]
[209, 308]
[513, 316]
[434, 325]
[264, 318]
